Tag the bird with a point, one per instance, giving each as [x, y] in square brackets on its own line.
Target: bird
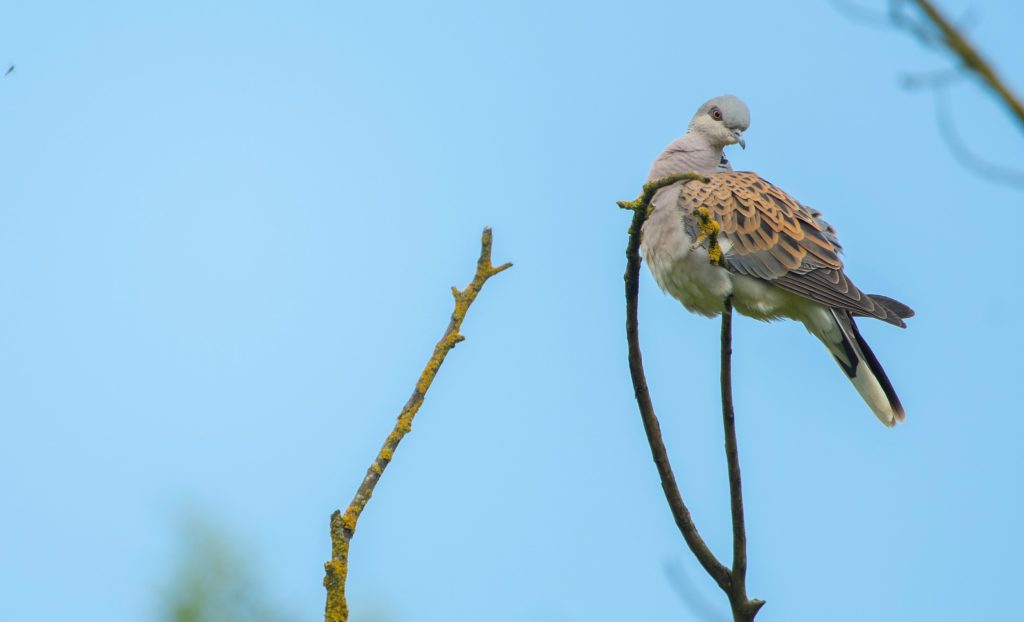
[770, 255]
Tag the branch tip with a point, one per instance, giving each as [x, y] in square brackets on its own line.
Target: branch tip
[652, 187]
[501, 268]
[486, 240]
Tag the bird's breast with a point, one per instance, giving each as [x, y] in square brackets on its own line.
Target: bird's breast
[683, 271]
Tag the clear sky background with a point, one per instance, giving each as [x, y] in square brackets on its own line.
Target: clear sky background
[227, 236]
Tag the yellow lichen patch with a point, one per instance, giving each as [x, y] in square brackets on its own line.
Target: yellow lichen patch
[430, 370]
[335, 572]
[631, 205]
[349, 518]
[386, 454]
[715, 254]
[650, 188]
[709, 230]
[392, 441]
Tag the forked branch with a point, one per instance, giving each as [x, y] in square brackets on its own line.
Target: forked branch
[732, 582]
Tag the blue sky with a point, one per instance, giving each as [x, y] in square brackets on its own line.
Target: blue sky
[227, 234]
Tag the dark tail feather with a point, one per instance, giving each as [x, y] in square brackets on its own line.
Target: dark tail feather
[865, 372]
[901, 310]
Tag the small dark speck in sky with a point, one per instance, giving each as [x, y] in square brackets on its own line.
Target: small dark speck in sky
[9, 71]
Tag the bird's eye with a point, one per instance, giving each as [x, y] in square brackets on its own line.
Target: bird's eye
[715, 113]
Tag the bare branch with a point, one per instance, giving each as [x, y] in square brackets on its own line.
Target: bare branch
[958, 45]
[652, 427]
[343, 526]
[741, 604]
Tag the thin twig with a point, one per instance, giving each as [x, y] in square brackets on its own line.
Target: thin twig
[858, 13]
[739, 537]
[343, 526]
[938, 83]
[972, 60]
[931, 79]
[962, 153]
[924, 32]
[743, 607]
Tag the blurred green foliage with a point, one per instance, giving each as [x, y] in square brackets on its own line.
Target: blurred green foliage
[215, 582]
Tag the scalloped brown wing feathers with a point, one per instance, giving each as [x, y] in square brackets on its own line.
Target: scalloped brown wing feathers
[773, 237]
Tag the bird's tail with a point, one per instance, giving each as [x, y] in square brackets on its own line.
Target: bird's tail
[862, 368]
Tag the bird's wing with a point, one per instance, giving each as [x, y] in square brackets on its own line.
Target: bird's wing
[768, 234]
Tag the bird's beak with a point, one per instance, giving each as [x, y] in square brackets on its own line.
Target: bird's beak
[739, 138]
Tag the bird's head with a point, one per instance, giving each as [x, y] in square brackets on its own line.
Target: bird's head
[722, 121]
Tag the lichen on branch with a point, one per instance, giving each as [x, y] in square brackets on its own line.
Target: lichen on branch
[343, 525]
[651, 187]
[708, 229]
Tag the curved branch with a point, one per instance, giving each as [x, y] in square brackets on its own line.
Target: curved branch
[963, 154]
[652, 427]
[343, 526]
